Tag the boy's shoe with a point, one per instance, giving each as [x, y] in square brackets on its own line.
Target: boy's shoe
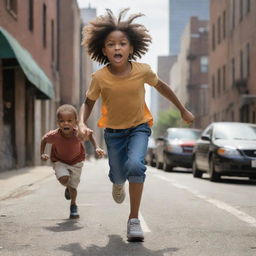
[118, 193]
[67, 194]
[134, 231]
[73, 212]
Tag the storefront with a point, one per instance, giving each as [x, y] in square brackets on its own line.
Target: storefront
[25, 92]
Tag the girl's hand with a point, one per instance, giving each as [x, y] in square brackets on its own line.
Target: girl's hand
[187, 116]
[100, 152]
[84, 132]
[44, 157]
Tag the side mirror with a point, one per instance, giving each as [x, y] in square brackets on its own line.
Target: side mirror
[206, 137]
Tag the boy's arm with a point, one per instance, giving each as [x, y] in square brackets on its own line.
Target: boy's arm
[84, 113]
[42, 148]
[168, 93]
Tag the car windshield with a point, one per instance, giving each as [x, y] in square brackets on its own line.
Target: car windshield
[235, 132]
[183, 134]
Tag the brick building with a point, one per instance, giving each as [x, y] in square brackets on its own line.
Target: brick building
[158, 102]
[69, 31]
[232, 60]
[88, 67]
[189, 75]
[28, 78]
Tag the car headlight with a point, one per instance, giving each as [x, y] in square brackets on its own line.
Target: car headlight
[226, 151]
[174, 148]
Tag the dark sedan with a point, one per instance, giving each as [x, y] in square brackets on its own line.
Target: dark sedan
[175, 148]
[226, 148]
[150, 155]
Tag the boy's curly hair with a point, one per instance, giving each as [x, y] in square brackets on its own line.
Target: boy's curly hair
[95, 33]
[67, 108]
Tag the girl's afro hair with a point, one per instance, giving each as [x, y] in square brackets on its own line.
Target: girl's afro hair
[95, 33]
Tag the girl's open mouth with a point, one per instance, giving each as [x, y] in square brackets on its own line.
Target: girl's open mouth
[118, 57]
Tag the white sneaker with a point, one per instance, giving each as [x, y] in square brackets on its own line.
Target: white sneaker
[118, 193]
[134, 230]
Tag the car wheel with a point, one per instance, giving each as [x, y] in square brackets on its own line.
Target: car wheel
[196, 172]
[214, 176]
[153, 164]
[167, 167]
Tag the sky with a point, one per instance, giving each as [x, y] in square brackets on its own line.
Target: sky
[155, 20]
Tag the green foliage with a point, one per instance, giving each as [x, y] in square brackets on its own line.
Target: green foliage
[167, 119]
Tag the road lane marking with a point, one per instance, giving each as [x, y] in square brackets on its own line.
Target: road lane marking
[143, 224]
[219, 204]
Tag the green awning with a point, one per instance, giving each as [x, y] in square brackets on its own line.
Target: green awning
[10, 48]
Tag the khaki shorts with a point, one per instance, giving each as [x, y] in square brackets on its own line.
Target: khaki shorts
[73, 171]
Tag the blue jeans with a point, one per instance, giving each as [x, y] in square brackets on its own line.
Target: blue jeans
[126, 153]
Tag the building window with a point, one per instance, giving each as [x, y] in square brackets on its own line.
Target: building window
[248, 7]
[53, 40]
[233, 22]
[12, 7]
[219, 30]
[195, 35]
[241, 64]
[213, 37]
[213, 86]
[233, 69]
[241, 10]
[44, 25]
[204, 64]
[224, 78]
[31, 15]
[219, 80]
[224, 25]
[247, 60]
[232, 116]
[202, 29]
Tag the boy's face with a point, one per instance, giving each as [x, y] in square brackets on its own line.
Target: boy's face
[67, 122]
[117, 48]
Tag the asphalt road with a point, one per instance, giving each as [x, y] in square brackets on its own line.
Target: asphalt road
[180, 215]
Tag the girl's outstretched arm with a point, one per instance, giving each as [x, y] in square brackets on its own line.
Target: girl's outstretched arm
[84, 113]
[168, 93]
[98, 150]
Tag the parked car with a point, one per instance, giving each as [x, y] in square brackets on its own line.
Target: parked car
[150, 155]
[226, 148]
[176, 148]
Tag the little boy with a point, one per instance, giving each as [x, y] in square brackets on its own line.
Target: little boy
[67, 153]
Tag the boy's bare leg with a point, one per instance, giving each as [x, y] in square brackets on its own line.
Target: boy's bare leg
[73, 195]
[72, 191]
[73, 207]
[64, 180]
[135, 190]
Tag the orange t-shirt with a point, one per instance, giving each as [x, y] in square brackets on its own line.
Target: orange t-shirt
[67, 150]
[123, 98]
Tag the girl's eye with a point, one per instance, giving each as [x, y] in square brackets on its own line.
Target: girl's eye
[123, 44]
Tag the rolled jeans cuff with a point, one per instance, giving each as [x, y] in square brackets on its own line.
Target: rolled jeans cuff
[136, 179]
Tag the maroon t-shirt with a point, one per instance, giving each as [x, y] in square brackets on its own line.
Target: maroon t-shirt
[67, 150]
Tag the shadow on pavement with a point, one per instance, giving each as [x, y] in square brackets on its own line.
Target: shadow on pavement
[66, 225]
[115, 247]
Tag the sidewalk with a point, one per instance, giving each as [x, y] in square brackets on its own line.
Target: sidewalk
[14, 181]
